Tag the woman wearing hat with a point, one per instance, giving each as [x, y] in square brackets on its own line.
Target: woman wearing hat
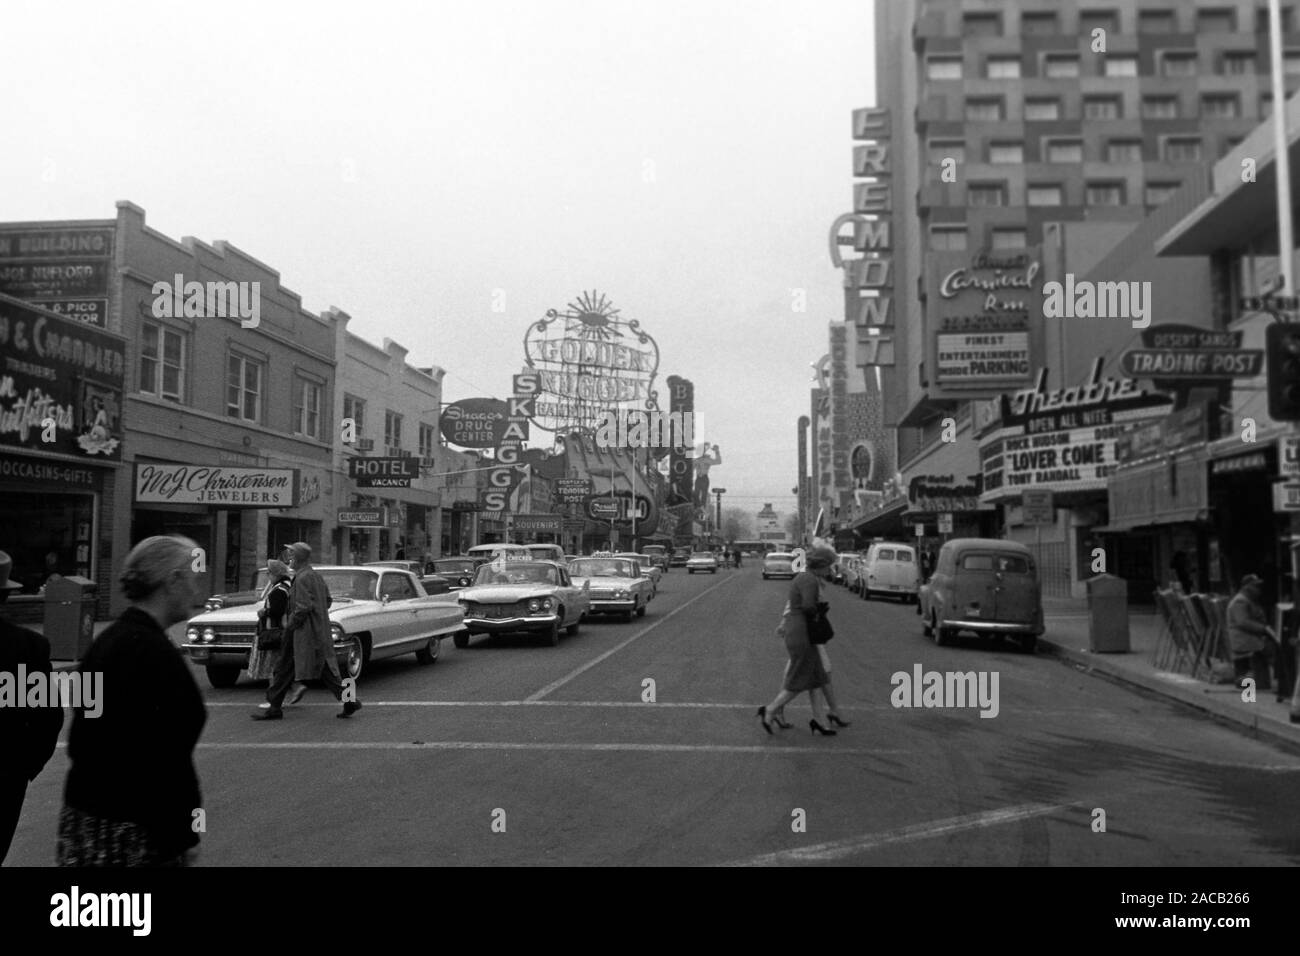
[805, 670]
[132, 788]
[275, 601]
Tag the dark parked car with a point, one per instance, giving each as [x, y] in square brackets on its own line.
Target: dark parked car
[986, 586]
[239, 598]
[457, 572]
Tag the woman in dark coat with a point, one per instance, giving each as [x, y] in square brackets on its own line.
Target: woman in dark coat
[132, 788]
[275, 601]
[805, 671]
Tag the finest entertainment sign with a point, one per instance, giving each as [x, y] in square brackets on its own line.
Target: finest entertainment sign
[173, 484]
[983, 356]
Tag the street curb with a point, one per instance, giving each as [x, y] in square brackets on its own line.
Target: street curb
[1284, 735]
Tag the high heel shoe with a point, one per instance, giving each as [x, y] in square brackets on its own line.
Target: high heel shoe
[780, 721]
[762, 719]
[819, 729]
[832, 719]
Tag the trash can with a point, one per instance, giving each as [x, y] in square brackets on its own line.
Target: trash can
[1108, 614]
[70, 617]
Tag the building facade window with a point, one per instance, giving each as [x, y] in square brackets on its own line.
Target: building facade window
[1101, 107]
[1238, 63]
[1059, 67]
[1157, 193]
[942, 149]
[355, 409]
[1064, 151]
[1090, 20]
[1182, 149]
[983, 110]
[1265, 105]
[1220, 106]
[986, 194]
[428, 440]
[1291, 62]
[1261, 19]
[1043, 194]
[1038, 23]
[1160, 107]
[162, 361]
[981, 25]
[948, 238]
[306, 408]
[1178, 64]
[1105, 194]
[943, 68]
[1216, 21]
[392, 434]
[1006, 152]
[244, 388]
[1120, 66]
[1042, 109]
[1002, 68]
[1008, 239]
[1124, 151]
[1156, 21]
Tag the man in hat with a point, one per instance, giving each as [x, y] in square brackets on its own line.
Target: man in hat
[308, 650]
[1249, 635]
[29, 733]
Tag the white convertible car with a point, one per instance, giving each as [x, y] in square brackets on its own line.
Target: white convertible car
[375, 612]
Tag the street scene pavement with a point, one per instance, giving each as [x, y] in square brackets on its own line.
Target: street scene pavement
[637, 744]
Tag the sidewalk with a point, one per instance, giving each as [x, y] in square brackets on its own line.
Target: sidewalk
[1067, 637]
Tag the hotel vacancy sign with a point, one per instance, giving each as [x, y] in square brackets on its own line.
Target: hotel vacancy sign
[175, 484]
[978, 311]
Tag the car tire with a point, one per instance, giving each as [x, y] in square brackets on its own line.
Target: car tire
[461, 639]
[640, 612]
[690, 570]
[1028, 645]
[626, 616]
[765, 577]
[713, 570]
[573, 628]
[553, 635]
[943, 636]
[354, 658]
[429, 653]
[223, 675]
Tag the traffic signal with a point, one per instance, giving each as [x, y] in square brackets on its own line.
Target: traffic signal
[1283, 343]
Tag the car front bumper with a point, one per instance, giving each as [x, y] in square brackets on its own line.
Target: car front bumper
[612, 605]
[219, 654]
[499, 625]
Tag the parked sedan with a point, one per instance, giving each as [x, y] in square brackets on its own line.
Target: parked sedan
[617, 584]
[522, 595]
[702, 561]
[680, 558]
[240, 598]
[648, 568]
[778, 564]
[375, 612]
[457, 572]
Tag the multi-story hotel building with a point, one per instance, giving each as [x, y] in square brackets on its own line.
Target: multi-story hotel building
[1028, 140]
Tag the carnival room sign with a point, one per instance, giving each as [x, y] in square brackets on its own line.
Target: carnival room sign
[173, 484]
[60, 384]
[980, 337]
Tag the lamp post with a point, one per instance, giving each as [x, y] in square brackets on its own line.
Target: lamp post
[718, 524]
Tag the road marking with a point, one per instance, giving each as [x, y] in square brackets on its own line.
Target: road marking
[581, 747]
[557, 684]
[541, 703]
[838, 849]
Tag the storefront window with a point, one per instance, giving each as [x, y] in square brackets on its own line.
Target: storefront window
[46, 534]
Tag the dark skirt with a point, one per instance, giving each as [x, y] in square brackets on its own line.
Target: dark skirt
[805, 671]
[87, 840]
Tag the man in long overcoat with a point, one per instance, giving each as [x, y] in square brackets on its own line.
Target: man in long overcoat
[308, 641]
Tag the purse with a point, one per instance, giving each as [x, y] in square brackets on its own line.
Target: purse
[819, 628]
[268, 638]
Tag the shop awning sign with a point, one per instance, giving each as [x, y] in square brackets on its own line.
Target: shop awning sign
[361, 517]
[383, 472]
[544, 524]
[1288, 457]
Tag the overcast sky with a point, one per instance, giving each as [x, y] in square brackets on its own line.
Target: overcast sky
[405, 161]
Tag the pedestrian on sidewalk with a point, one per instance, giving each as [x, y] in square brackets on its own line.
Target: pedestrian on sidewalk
[30, 733]
[804, 670]
[132, 789]
[308, 650]
[275, 604]
[1251, 639]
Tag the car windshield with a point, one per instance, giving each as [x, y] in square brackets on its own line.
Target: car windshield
[516, 573]
[602, 568]
[459, 566]
[357, 585]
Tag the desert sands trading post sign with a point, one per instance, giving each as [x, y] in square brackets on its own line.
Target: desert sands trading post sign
[1063, 440]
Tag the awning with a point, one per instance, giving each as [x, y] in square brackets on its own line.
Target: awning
[1166, 491]
[889, 518]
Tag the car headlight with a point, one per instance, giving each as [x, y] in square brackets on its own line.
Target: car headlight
[534, 605]
[337, 631]
[621, 593]
[212, 604]
[464, 582]
[192, 634]
[209, 635]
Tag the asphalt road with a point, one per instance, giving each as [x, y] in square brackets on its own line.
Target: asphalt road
[510, 752]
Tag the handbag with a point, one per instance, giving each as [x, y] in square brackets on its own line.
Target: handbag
[819, 628]
[268, 638]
